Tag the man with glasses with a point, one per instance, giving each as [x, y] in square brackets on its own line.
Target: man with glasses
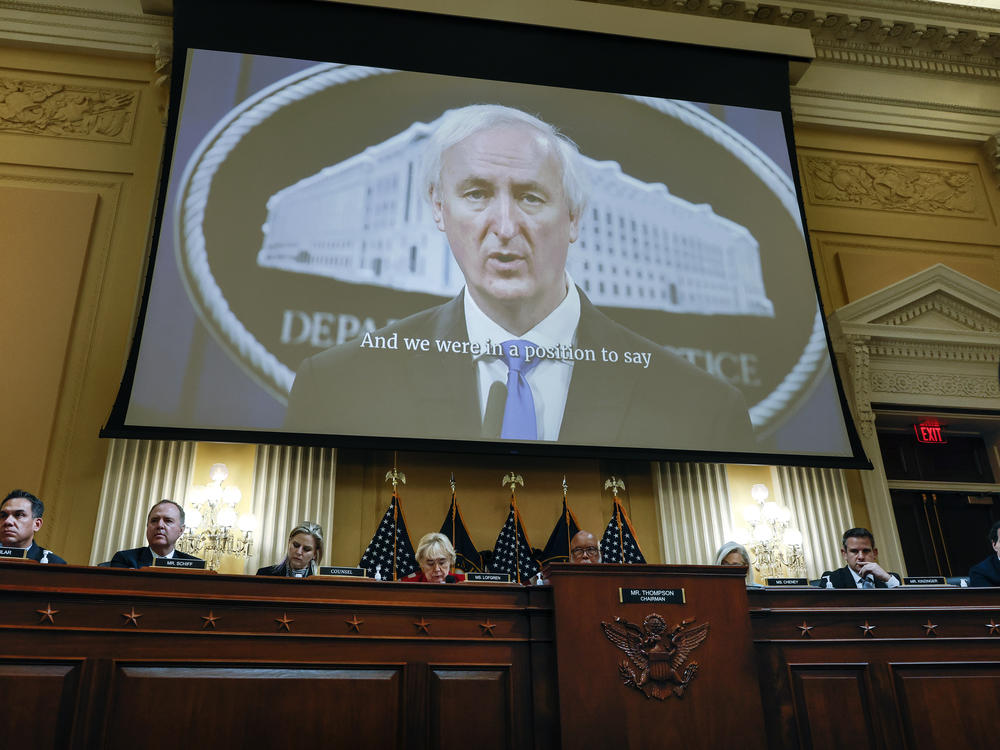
[584, 549]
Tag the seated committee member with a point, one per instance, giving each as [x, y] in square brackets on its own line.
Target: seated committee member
[436, 557]
[508, 191]
[735, 554]
[987, 573]
[164, 525]
[862, 570]
[20, 517]
[305, 550]
[584, 549]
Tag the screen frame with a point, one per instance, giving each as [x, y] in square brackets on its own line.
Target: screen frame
[451, 45]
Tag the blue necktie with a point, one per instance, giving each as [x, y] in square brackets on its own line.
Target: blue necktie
[519, 411]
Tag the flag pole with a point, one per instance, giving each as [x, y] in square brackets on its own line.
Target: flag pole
[395, 476]
[569, 542]
[514, 480]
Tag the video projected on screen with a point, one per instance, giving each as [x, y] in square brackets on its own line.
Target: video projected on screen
[358, 251]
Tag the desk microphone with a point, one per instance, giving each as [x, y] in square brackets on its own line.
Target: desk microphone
[496, 402]
[450, 578]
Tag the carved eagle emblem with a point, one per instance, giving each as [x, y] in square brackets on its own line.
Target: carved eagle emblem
[657, 662]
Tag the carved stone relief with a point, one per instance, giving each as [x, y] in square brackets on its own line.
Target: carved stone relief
[992, 150]
[891, 187]
[858, 364]
[53, 109]
[935, 384]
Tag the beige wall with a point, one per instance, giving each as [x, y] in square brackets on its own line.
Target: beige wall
[77, 187]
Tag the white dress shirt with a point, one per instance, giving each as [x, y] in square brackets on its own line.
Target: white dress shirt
[549, 380]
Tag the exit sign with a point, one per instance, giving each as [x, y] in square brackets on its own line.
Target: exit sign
[929, 432]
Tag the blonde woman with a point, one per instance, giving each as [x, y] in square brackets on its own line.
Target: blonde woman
[305, 550]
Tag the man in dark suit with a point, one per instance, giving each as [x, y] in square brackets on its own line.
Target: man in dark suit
[20, 518]
[862, 570]
[532, 360]
[987, 573]
[164, 525]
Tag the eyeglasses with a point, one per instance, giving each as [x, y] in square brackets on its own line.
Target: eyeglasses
[585, 552]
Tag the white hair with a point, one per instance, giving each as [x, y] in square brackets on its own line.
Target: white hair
[455, 125]
[728, 547]
[436, 544]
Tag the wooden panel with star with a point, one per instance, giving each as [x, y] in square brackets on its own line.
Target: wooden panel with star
[241, 659]
[912, 667]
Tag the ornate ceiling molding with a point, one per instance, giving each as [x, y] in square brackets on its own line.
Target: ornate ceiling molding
[907, 35]
[83, 29]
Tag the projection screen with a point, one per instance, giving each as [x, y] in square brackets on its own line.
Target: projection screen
[318, 277]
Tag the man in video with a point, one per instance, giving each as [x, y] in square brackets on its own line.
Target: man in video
[509, 191]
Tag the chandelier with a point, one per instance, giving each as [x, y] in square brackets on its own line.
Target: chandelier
[775, 547]
[211, 529]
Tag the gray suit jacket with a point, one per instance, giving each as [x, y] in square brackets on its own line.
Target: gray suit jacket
[348, 390]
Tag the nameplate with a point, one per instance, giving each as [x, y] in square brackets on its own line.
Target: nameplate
[178, 563]
[787, 581]
[13, 553]
[924, 581]
[330, 570]
[651, 596]
[487, 577]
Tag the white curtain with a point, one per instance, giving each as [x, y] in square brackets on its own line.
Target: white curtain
[694, 511]
[821, 508]
[138, 473]
[291, 484]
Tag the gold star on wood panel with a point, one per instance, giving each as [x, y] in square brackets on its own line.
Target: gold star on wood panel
[47, 613]
[867, 629]
[929, 628]
[209, 619]
[131, 617]
[993, 626]
[804, 629]
[355, 623]
[423, 625]
[284, 622]
[487, 627]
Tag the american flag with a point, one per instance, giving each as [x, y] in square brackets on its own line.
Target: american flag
[618, 545]
[512, 553]
[390, 550]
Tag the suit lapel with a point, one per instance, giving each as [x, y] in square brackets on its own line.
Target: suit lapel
[443, 392]
[595, 411]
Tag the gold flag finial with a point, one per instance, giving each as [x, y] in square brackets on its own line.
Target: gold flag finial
[513, 480]
[395, 476]
[565, 487]
[614, 484]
